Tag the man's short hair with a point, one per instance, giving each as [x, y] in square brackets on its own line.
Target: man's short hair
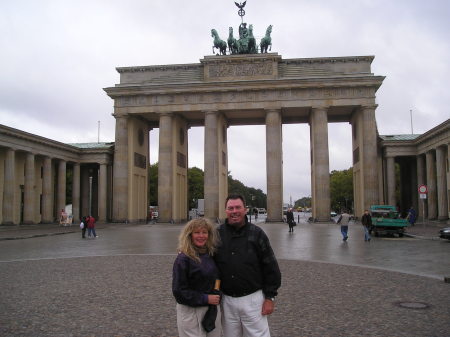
[234, 197]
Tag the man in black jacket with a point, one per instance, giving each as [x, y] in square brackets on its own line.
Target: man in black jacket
[290, 220]
[366, 221]
[249, 272]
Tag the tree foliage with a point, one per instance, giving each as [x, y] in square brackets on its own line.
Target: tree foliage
[254, 197]
[196, 180]
[341, 189]
[153, 184]
[303, 202]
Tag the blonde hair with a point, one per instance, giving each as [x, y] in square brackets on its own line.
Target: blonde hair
[185, 244]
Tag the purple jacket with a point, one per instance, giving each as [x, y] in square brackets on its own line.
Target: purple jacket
[192, 281]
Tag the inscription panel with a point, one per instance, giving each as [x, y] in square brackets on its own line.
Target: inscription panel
[240, 69]
[140, 160]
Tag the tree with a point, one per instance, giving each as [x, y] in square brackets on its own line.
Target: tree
[341, 189]
[303, 202]
[253, 197]
[153, 184]
[195, 186]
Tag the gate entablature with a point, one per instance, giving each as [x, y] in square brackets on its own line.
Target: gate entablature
[251, 83]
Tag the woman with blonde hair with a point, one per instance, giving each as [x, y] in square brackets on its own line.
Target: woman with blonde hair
[193, 278]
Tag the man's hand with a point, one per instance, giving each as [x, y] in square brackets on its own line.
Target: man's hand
[214, 299]
[268, 307]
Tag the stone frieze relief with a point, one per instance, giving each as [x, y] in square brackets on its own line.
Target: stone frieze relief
[240, 70]
[245, 96]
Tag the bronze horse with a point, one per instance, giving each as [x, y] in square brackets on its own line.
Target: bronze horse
[232, 43]
[266, 41]
[251, 41]
[218, 43]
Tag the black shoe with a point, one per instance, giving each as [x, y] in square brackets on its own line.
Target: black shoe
[345, 239]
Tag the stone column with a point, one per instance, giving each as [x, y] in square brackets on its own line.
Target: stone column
[29, 196]
[274, 164]
[211, 180]
[320, 168]
[369, 156]
[431, 185]
[102, 193]
[76, 192]
[120, 175]
[441, 180]
[165, 168]
[413, 186]
[47, 193]
[85, 191]
[9, 195]
[61, 191]
[390, 173]
[421, 180]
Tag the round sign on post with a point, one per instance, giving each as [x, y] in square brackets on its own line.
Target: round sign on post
[423, 189]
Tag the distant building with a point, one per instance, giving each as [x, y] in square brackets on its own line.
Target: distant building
[34, 183]
[422, 160]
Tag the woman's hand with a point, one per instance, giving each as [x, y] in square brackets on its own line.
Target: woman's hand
[214, 299]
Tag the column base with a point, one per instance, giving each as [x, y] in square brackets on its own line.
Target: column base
[322, 220]
[8, 223]
[119, 221]
[274, 220]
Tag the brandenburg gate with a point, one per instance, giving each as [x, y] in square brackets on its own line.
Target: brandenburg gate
[227, 90]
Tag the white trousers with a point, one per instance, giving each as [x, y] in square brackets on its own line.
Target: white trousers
[241, 316]
[189, 321]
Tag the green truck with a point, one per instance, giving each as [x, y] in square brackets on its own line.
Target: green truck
[386, 220]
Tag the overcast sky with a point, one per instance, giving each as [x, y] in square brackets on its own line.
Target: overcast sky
[58, 55]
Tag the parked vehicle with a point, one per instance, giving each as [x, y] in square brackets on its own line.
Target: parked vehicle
[444, 233]
[200, 207]
[386, 220]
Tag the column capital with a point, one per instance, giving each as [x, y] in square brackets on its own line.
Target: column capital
[277, 110]
[320, 107]
[210, 112]
[120, 115]
[369, 106]
[165, 114]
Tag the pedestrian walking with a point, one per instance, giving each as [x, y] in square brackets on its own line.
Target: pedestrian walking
[344, 219]
[193, 278]
[63, 218]
[412, 215]
[91, 226]
[366, 221]
[249, 272]
[290, 220]
[83, 228]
